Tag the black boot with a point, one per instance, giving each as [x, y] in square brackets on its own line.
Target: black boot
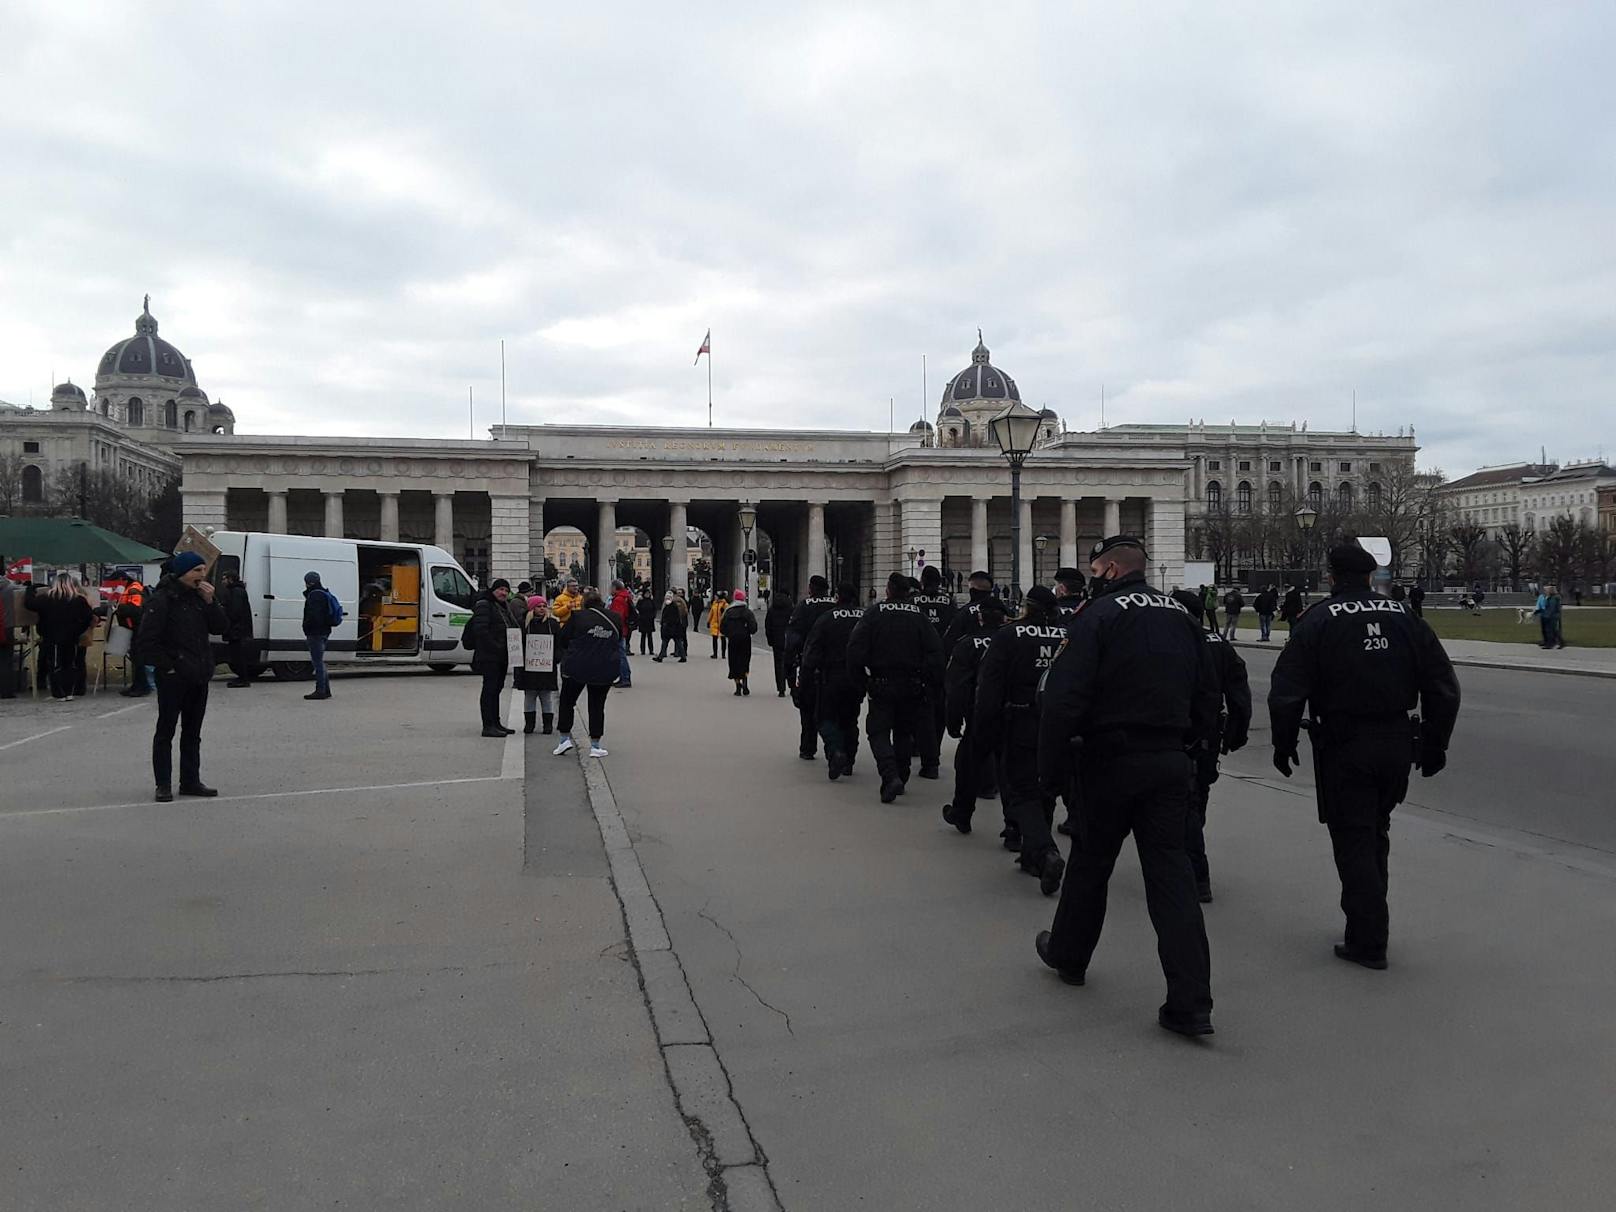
[549, 722]
[529, 719]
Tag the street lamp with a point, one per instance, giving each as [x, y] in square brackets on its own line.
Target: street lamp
[1015, 430]
[1306, 516]
[667, 562]
[912, 555]
[748, 520]
[1039, 543]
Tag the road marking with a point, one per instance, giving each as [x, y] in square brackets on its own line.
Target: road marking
[262, 795]
[36, 736]
[107, 715]
[512, 761]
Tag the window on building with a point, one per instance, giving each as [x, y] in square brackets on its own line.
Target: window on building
[1374, 494]
[1275, 465]
[1276, 495]
[33, 484]
[30, 448]
[1214, 495]
[1344, 495]
[1315, 466]
[1374, 467]
[137, 411]
[1214, 464]
[171, 414]
[1344, 466]
[190, 420]
[1245, 464]
[1242, 496]
[106, 408]
[1315, 495]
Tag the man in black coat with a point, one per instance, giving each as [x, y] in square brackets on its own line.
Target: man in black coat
[895, 652]
[939, 608]
[491, 618]
[967, 617]
[973, 768]
[838, 694]
[175, 625]
[803, 693]
[775, 622]
[239, 635]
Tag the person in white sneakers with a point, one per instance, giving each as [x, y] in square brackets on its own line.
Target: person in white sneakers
[591, 647]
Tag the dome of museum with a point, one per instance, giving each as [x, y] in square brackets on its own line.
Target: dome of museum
[145, 353]
[68, 395]
[981, 380]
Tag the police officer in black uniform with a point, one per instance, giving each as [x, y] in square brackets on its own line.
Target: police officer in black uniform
[1234, 725]
[803, 693]
[895, 652]
[1134, 683]
[980, 585]
[824, 664]
[1359, 663]
[1069, 593]
[939, 608]
[973, 767]
[1007, 713]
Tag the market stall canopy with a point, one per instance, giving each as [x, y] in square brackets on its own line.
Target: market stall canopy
[59, 541]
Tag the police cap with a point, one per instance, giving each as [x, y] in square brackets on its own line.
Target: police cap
[979, 575]
[1348, 559]
[1044, 597]
[1115, 541]
[1070, 577]
[994, 607]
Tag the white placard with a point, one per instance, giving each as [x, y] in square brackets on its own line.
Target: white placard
[118, 639]
[513, 647]
[541, 654]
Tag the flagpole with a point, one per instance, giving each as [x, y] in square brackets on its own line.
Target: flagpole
[709, 378]
[471, 415]
[502, 382]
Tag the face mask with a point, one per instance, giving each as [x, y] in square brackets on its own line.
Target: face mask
[1097, 585]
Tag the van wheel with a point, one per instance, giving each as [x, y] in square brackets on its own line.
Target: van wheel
[292, 671]
[440, 667]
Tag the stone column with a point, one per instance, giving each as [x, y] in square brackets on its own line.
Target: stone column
[1165, 519]
[333, 513]
[979, 535]
[389, 501]
[884, 559]
[508, 537]
[816, 542]
[1068, 533]
[679, 565]
[277, 511]
[443, 518]
[1029, 570]
[605, 544]
[921, 529]
[535, 537]
[1113, 516]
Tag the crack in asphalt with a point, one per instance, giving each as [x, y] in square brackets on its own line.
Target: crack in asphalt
[736, 973]
[258, 976]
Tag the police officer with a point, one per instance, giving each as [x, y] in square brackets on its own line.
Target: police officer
[939, 608]
[895, 652]
[1359, 662]
[1007, 719]
[1069, 595]
[1234, 725]
[1134, 683]
[973, 768]
[803, 694]
[980, 585]
[824, 665]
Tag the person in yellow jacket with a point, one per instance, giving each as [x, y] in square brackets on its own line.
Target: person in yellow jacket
[715, 616]
[568, 600]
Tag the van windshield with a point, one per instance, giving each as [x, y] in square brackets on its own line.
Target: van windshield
[451, 585]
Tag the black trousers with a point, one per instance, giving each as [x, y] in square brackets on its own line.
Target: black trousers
[1146, 794]
[836, 711]
[898, 726]
[8, 671]
[646, 637]
[1364, 778]
[720, 646]
[488, 701]
[1195, 829]
[243, 658]
[808, 719]
[570, 690]
[939, 713]
[184, 703]
[56, 666]
[781, 685]
[1025, 804]
[679, 639]
[973, 777]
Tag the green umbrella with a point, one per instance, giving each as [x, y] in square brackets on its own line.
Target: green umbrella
[60, 541]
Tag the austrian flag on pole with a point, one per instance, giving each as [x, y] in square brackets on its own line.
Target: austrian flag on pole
[706, 348]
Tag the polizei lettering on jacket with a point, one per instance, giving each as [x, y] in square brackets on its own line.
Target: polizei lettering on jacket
[912, 609]
[1052, 638]
[1366, 605]
[844, 612]
[819, 601]
[1129, 600]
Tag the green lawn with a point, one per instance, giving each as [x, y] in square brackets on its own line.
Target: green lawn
[1589, 627]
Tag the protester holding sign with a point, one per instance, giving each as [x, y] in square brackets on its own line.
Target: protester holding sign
[536, 679]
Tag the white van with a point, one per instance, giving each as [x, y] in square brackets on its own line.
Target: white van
[402, 603]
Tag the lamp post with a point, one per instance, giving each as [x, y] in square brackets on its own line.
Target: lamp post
[912, 554]
[1306, 516]
[667, 562]
[748, 520]
[1038, 543]
[1015, 430]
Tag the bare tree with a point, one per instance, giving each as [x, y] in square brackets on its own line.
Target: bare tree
[1469, 546]
[10, 482]
[1515, 545]
[1557, 551]
[1399, 512]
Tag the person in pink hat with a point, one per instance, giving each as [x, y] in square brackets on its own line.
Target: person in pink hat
[538, 689]
[739, 625]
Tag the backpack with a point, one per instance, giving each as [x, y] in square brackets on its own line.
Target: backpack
[335, 607]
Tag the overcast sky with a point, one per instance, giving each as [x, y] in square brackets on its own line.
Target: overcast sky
[1219, 211]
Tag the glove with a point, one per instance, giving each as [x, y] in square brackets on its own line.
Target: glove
[1231, 743]
[1432, 760]
[1285, 759]
[956, 731]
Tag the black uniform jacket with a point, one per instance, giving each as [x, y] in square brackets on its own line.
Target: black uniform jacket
[939, 609]
[966, 618]
[824, 656]
[802, 621]
[1357, 655]
[894, 640]
[1007, 681]
[1236, 689]
[959, 680]
[174, 629]
[1134, 669]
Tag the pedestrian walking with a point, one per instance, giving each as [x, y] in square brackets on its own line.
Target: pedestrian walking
[645, 618]
[823, 679]
[799, 627]
[1416, 601]
[739, 625]
[591, 645]
[974, 773]
[1233, 603]
[621, 607]
[321, 614]
[1133, 687]
[1006, 719]
[178, 618]
[698, 612]
[241, 654]
[1292, 607]
[967, 617]
[1209, 606]
[65, 617]
[492, 616]
[538, 687]
[896, 653]
[569, 599]
[1549, 612]
[1234, 726]
[1266, 605]
[715, 615]
[1398, 592]
[1358, 664]
[939, 607]
[775, 619]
